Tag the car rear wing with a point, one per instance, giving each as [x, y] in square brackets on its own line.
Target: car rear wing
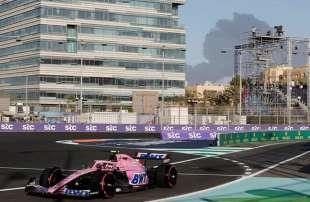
[153, 156]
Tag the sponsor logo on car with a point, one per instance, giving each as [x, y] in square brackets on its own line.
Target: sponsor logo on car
[138, 179]
[151, 156]
[81, 193]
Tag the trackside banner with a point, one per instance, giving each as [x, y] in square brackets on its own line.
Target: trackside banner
[188, 135]
[210, 132]
[181, 131]
[62, 127]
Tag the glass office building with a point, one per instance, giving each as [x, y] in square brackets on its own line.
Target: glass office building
[115, 47]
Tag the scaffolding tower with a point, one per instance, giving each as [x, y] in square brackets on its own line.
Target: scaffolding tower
[261, 51]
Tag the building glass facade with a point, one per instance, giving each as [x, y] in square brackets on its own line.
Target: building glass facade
[116, 47]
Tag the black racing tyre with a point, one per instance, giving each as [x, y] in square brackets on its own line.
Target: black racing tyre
[50, 177]
[166, 176]
[104, 183]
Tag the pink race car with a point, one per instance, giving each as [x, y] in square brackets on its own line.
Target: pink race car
[121, 173]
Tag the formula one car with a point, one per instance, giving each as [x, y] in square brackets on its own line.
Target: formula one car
[121, 173]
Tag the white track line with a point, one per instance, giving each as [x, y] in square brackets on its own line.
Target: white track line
[232, 182]
[209, 174]
[12, 189]
[189, 160]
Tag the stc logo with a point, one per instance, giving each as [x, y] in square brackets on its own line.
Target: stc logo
[28, 127]
[304, 128]
[149, 129]
[111, 128]
[288, 128]
[255, 128]
[194, 135]
[49, 127]
[5, 126]
[213, 135]
[91, 128]
[204, 128]
[239, 128]
[173, 135]
[130, 128]
[70, 127]
[168, 128]
[221, 128]
[272, 128]
[186, 128]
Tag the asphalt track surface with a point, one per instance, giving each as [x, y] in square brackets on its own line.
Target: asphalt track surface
[41, 150]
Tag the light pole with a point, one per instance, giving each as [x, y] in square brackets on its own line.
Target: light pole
[81, 86]
[240, 85]
[308, 83]
[26, 95]
[162, 87]
[289, 82]
[239, 52]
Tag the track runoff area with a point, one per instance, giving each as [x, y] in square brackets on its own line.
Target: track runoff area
[272, 173]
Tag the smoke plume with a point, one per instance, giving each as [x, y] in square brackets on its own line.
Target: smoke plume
[225, 35]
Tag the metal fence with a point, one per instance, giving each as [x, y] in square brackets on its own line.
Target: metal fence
[196, 115]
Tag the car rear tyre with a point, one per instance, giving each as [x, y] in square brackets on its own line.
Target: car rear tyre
[50, 177]
[166, 176]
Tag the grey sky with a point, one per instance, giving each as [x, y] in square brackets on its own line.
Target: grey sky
[200, 16]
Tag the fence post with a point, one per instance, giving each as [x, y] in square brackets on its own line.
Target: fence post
[195, 116]
[228, 118]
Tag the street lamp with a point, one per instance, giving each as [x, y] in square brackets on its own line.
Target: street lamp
[239, 52]
[163, 48]
[81, 77]
[163, 58]
[163, 86]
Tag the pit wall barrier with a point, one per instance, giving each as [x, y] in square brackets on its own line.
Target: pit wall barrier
[252, 137]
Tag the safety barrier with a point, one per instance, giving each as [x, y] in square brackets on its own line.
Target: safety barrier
[142, 128]
[250, 137]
